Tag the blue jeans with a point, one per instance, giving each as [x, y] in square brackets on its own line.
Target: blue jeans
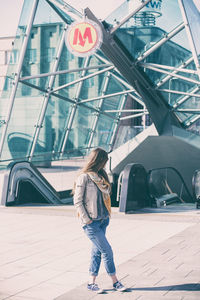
[96, 232]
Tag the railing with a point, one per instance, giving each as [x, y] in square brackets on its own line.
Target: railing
[119, 186]
[159, 187]
[132, 188]
[167, 186]
[196, 187]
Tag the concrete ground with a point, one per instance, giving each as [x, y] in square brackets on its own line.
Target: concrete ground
[44, 254]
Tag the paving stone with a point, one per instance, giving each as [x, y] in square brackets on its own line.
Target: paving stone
[42, 258]
[4, 295]
[172, 279]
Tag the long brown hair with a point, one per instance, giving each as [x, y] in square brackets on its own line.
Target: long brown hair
[96, 162]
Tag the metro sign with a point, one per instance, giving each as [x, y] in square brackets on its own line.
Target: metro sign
[83, 38]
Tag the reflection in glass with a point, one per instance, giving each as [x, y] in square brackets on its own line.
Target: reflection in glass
[22, 124]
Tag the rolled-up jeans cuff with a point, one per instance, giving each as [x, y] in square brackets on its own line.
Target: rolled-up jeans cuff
[93, 274]
[111, 274]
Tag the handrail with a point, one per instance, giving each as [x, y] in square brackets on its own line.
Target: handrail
[119, 185]
[177, 172]
[194, 183]
[133, 193]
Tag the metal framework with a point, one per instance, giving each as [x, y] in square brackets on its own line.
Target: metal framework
[92, 131]
[17, 74]
[47, 97]
[74, 108]
[116, 66]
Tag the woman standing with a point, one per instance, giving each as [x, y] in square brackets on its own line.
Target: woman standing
[92, 201]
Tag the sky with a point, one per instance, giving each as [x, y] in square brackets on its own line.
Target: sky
[10, 12]
[9, 16]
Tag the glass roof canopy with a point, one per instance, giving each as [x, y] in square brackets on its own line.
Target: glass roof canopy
[56, 105]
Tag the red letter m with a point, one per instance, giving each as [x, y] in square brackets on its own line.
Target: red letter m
[82, 39]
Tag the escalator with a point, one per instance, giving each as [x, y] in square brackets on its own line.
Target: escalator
[159, 187]
[166, 186]
[23, 183]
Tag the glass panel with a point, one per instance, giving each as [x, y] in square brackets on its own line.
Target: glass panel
[43, 44]
[183, 116]
[45, 14]
[148, 26]
[192, 103]
[192, 11]
[22, 124]
[93, 86]
[114, 86]
[79, 134]
[178, 85]
[12, 57]
[3, 113]
[195, 128]
[53, 129]
[68, 62]
[20, 34]
[113, 103]
[103, 132]
[72, 7]
[169, 54]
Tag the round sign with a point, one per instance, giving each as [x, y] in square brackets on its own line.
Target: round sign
[83, 38]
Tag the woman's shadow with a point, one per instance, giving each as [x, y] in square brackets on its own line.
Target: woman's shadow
[177, 287]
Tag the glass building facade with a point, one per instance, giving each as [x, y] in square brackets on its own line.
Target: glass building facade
[55, 105]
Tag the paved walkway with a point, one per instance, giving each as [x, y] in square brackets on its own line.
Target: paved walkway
[44, 254]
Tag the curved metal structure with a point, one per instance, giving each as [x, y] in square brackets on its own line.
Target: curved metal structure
[23, 183]
[134, 189]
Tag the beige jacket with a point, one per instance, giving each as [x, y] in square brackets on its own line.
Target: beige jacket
[85, 198]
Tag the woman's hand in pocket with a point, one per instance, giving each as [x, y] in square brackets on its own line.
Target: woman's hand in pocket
[89, 222]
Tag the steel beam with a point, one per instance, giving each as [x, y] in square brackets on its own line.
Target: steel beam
[106, 96]
[134, 116]
[67, 9]
[125, 110]
[64, 72]
[159, 110]
[122, 81]
[169, 73]
[129, 16]
[83, 78]
[161, 42]
[189, 71]
[177, 104]
[188, 110]
[180, 93]
[166, 78]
